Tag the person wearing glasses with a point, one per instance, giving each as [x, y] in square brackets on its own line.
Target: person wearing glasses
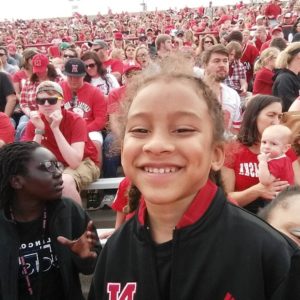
[205, 43]
[96, 75]
[66, 135]
[142, 56]
[42, 70]
[113, 66]
[46, 239]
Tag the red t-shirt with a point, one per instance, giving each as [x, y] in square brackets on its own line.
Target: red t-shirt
[282, 168]
[113, 65]
[265, 45]
[245, 165]
[114, 98]
[250, 53]
[7, 131]
[74, 130]
[91, 105]
[121, 199]
[263, 82]
[19, 76]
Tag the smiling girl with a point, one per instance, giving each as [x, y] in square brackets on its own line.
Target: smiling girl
[185, 235]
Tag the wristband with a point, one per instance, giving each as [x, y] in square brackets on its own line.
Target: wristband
[39, 131]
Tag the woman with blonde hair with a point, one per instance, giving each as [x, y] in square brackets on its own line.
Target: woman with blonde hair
[287, 82]
[263, 70]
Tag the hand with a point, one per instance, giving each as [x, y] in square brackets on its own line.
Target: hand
[270, 191]
[36, 120]
[82, 246]
[55, 118]
[106, 235]
[263, 157]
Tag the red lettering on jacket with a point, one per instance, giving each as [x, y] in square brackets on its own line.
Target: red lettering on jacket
[114, 288]
[228, 296]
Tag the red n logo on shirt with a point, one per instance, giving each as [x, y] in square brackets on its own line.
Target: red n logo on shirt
[114, 289]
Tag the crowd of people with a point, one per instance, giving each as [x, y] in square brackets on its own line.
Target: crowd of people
[198, 108]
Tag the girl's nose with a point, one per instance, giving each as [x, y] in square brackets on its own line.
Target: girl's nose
[158, 144]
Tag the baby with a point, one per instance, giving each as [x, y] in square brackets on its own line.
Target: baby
[273, 163]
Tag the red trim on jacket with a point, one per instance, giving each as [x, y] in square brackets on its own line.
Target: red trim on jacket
[195, 211]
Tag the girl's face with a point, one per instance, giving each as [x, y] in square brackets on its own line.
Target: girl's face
[270, 115]
[91, 67]
[168, 148]
[129, 52]
[143, 58]
[39, 183]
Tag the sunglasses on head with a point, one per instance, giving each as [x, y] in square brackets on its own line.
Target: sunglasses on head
[90, 66]
[52, 166]
[50, 100]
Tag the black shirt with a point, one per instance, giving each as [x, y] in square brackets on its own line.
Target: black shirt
[41, 263]
[6, 89]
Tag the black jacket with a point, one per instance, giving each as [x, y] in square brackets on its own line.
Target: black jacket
[68, 220]
[286, 86]
[226, 254]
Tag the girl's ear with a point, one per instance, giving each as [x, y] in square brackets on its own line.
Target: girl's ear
[16, 182]
[218, 157]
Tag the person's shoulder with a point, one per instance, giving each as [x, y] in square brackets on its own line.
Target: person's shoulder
[228, 90]
[256, 230]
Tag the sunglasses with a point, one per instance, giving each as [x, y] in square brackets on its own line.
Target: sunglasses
[2, 54]
[90, 66]
[97, 49]
[208, 42]
[52, 166]
[50, 100]
[68, 56]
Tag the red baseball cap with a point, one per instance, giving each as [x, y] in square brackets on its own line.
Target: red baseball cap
[39, 63]
[118, 36]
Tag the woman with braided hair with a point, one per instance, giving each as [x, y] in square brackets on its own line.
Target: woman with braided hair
[46, 240]
[185, 241]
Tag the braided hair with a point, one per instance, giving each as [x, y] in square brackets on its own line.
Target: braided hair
[13, 161]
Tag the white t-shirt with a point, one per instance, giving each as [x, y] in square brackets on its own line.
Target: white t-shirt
[106, 85]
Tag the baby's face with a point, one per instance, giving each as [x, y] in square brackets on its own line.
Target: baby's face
[273, 144]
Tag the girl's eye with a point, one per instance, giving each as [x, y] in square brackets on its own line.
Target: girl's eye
[184, 130]
[139, 130]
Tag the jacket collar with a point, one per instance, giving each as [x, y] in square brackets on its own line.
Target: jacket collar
[195, 211]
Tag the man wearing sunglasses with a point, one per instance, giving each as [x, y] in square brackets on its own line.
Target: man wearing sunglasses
[66, 135]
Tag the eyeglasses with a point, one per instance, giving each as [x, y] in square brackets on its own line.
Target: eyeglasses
[90, 66]
[142, 55]
[208, 42]
[52, 166]
[68, 56]
[2, 54]
[50, 100]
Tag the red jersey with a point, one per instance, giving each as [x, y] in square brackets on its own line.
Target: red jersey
[263, 82]
[113, 65]
[90, 104]
[249, 56]
[74, 130]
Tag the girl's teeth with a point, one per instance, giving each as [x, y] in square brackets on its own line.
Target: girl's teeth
[160, 170]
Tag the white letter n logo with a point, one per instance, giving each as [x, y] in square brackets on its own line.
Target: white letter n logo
[113, 289]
